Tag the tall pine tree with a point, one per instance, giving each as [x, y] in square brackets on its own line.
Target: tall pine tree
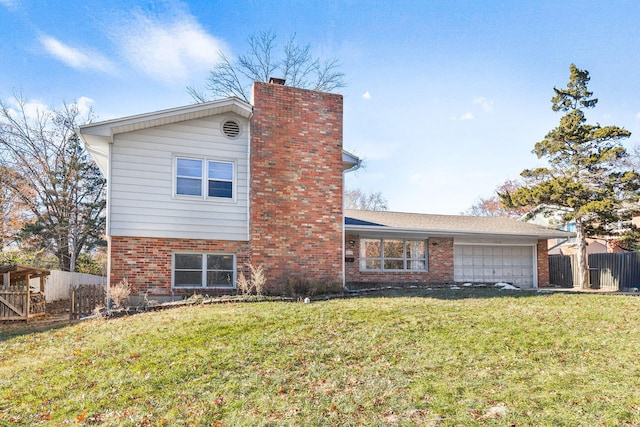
[586, 175]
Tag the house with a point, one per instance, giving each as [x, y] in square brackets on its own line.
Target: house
[197, 193]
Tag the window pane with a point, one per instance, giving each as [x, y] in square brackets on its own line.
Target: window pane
[393, 249]
[221, 189]
[188, 262]
[393, 264]
[189, 187]
[370, 248]
[415, 249]
[188, 278]
[221, 171]
[373, 264]
[220, 262]
[416, 265]
[220, 278]
[190, 167]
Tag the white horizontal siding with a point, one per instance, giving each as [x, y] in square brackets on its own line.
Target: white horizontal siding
[142, 202]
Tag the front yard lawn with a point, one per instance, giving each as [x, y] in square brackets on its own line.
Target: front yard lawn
[467, 357]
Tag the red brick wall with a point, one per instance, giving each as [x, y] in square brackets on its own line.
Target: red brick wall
[440, 252]
[296, 184]
[543, 263]
[146, 262]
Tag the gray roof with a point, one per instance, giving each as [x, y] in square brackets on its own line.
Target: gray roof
[446, 225]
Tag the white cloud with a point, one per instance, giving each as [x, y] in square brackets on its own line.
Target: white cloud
[366, 95]
[34, 109]
[465, 116]
[170, 52]
[486, 104]
[74, 57]
[83, 104]
[9, 4]
[638, 116]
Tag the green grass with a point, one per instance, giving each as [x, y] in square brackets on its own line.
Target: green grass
[421, 358]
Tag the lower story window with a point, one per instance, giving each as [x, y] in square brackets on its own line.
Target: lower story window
[193, 270]
[393, 254]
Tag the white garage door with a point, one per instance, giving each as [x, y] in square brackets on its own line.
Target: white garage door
[492, 264]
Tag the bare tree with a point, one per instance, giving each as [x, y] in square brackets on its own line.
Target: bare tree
[264, 60]
[358, 199]
[13, 213]
[59, 183]
[492, 206]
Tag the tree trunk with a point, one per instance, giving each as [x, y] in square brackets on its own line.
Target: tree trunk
[581, 254]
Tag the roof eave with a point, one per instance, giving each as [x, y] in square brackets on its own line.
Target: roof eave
[350, 162]
[552, 234]
[142, 121]
[98, 136]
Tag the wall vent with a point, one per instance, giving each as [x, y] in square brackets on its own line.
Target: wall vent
[231, 128]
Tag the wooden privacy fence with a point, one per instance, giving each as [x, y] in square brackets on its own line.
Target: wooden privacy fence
[561, 270]
[611, 272]
[84, 299]
[59, 283]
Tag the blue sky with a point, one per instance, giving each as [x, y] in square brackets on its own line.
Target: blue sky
[445, 99]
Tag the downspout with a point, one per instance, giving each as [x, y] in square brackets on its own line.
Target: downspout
[344, 265]
[107, 229]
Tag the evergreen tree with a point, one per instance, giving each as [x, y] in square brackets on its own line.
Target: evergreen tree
[586, 173]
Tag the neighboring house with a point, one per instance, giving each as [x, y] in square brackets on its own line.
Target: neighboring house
[552, 216]
[197, 193]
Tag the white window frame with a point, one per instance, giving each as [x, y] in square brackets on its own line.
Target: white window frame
[205, 178]
[405, 261]
[204, 270]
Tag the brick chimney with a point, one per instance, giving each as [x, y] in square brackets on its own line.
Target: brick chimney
[296, 185]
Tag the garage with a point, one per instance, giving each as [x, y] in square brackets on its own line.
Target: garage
[495, 263]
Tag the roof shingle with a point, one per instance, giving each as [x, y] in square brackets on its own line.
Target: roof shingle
[454, 224]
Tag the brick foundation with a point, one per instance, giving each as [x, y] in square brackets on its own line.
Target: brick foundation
[146, 262]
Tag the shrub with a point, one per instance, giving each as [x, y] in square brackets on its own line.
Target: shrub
[243, 284]
[257, 279]
[120, 292]
[254, 284]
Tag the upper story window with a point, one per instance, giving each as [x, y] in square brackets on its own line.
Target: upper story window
[393, 254]
[189, 177]
[220, 178]
[195, 177]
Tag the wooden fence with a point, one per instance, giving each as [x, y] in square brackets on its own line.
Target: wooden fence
[59, 283]
[13, 303]
[611, 272]
[561, 270]
[84, 299]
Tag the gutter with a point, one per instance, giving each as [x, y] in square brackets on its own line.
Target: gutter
[443, 233]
